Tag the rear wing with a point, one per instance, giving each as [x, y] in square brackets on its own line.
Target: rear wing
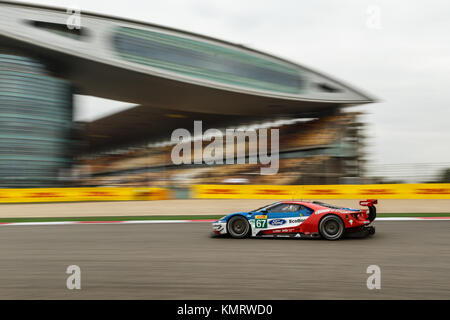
[368, 202]
[372, 210]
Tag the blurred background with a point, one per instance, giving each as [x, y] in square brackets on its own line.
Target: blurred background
[91, 92]
[94, 104]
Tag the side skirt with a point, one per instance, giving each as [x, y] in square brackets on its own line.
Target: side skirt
[296, 235]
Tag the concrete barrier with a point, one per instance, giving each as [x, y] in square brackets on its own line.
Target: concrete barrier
[376, 191]
[81, 194]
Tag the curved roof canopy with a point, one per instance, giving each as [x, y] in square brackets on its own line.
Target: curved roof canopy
[152, 65]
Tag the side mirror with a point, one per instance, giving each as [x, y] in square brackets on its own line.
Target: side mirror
[263, 211]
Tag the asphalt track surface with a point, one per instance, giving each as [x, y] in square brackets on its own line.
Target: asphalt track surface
[181, 261]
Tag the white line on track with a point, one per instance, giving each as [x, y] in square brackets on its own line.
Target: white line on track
[52, 223]
[412, 219]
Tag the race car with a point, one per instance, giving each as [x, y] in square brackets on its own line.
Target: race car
[299, 219]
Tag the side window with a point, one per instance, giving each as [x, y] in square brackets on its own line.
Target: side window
[277, 208]
[293, 207]
[305, 210]
[285, 208]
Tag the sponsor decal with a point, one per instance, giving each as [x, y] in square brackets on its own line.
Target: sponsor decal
[261, 221]
[99, 194]
[143, 193]
[324, 192]
[433, 191]
[272, 192]
[44, 195]
[322, 211]
[333, 211]
[221, 191]
[277, 222]
[299, 220]
[377, 191]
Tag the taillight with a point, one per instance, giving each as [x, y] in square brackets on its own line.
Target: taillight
[359, 215]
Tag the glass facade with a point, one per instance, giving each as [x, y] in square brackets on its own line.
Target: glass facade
[206, 61]
[35, 123]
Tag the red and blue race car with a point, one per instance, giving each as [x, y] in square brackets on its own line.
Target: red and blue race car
[299, 219]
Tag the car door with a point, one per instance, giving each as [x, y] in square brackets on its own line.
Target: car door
[261, 216]
[278, 215]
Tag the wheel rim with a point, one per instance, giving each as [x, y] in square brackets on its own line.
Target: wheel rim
[332, 229]
[239, 227]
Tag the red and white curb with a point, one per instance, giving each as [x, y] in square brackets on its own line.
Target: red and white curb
[54, 223]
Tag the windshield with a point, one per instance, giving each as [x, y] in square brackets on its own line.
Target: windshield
[265, 207]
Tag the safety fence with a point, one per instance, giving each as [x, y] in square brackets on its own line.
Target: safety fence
[377, 191]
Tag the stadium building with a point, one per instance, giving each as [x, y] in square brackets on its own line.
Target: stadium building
[175, 77]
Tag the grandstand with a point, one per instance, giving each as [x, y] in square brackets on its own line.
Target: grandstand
[317, 151]
[175, 77]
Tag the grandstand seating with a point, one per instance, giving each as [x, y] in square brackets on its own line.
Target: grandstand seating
[152, 166]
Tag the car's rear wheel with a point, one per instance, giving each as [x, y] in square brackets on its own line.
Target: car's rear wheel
[331, 227]
[238, 227]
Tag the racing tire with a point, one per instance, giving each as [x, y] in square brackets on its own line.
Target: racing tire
[331, 227]
[238, 227]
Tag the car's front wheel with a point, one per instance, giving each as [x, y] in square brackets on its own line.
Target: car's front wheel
[331, 227]
[238, 227]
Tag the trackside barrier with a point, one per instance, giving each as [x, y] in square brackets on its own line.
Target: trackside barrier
[82, 194]
[375, 191]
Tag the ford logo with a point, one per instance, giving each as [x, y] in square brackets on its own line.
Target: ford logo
[277, 222]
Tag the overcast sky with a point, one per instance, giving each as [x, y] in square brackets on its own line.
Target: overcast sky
[402, 58]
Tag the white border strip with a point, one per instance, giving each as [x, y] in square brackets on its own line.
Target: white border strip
[412, 219]
[53, 223]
